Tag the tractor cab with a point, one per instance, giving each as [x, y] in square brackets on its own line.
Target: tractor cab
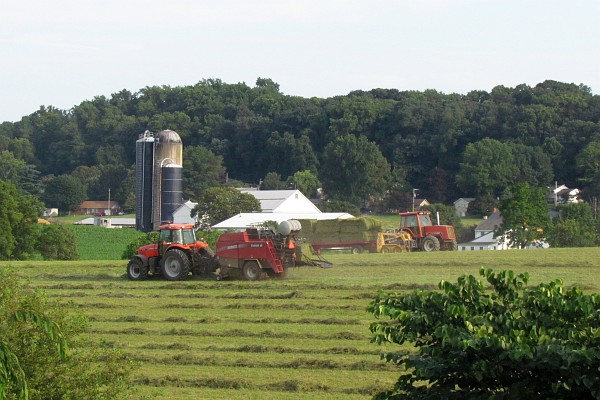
[415, 223]
[181, 235]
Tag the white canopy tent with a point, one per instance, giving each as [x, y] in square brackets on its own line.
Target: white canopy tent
[245, 220]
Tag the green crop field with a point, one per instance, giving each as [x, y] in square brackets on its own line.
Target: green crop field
[303, 337]
[98, 243]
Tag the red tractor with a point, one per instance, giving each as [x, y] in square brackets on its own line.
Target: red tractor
[428, 237]
[175, 255]
[258, 252]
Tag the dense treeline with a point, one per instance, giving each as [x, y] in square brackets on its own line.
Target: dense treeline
[365, 145]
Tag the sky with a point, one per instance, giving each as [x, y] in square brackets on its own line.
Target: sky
[62, 52]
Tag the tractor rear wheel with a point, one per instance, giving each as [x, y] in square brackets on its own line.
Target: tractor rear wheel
[136, 270]
[431, 243]
[175, 265]
[251, 271]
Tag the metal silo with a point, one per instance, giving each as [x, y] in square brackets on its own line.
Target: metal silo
[144, 171]
[169, 150]
[172, 190]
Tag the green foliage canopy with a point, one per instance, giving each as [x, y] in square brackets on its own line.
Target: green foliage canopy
[64, 192]
[18, 223]
[509, 343]
[57, 243]
[574, 227]
[217, 204]
[306, 182]
[525, 214]
[203, 169]
[488, 167]
[43, 355]
[353, 169]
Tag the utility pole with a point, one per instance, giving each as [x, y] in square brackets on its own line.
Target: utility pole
[414, 197]
[108, 205]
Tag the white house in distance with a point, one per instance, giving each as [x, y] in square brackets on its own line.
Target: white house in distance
[484, 235]
[183, 213]
[461, 206]
[562, 194]
[278, 205]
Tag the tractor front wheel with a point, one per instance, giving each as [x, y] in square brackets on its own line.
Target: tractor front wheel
[175, 265]
[251, 271]
[431, 243]
[136, 270]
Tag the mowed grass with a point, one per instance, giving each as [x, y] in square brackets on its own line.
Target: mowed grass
[306, 337]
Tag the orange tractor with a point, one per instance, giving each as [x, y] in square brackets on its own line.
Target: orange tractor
[175, 255]
[428, 237]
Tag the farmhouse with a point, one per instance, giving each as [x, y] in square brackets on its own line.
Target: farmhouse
[562, 194]
[484, 235]
[92, 207]
[461, 206]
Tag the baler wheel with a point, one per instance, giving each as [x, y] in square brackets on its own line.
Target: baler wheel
[251, 271]
[136, 270]
[357, 250]
[175, 265]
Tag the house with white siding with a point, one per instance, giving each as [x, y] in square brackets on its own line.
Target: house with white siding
[485, 235]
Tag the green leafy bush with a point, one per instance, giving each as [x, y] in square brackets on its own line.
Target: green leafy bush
[43, 354]
[142, 240]
[57, 243]
[509, 343]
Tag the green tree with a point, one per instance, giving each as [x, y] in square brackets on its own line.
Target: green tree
[306, 182]
[588, 162]
[272, 181]
[483, 205]
[509, 343]
[64, 192]
[447, 215]
[287, 153]
[353, 169]
[535, 166]
[17, 171]
[43, 354]
[339, 206]
[488, 167]
[574, 227]
[525, 214]
[203, 169]
[114, 177]
[57, 243]
[18, 223]
[220, 203]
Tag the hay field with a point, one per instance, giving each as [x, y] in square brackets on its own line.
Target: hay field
[303, 337]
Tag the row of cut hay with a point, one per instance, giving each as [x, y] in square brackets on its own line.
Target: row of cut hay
[363, 229]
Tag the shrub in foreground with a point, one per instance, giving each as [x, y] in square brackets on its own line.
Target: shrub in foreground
[43, 355]
[506, 343]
